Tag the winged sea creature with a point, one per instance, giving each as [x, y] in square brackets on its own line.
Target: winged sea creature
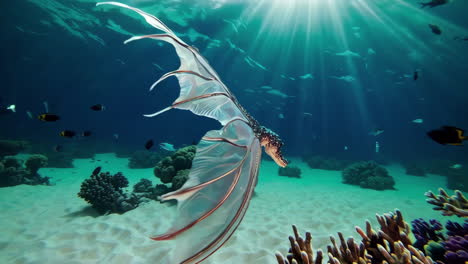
[213, 201]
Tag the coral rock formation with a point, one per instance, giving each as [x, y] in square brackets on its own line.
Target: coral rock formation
[169, 167]
[368, 174]
[105, 193]
[290, 171]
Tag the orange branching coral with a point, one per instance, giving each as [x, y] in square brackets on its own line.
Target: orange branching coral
[347, 252]
[389, 245]
[456, 204]
[301, 251]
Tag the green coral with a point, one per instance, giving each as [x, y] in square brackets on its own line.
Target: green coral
[368, 174]
[171, 169]
[12, 171]
[180, 178]
[35, 162]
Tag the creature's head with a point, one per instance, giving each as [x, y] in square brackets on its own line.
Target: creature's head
[272, 143]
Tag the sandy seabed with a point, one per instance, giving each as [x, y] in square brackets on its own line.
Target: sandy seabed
[51, 224]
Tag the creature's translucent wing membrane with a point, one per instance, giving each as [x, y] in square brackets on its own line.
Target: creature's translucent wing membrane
[218, 191]
[215, 198]
[197, 79]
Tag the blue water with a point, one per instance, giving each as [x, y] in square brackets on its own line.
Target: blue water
[321, 74]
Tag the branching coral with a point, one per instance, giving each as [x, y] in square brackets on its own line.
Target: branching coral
[368, 175]
[301, 250]
[390, 244]
[449, 205]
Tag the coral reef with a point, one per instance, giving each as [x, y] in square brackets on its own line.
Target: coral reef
[456, 250]
[448, 205]
[323, 163]
[105, 193]
[12, 147]
[425, 232]
[449, 247]
[301, 250]
[144, 159]
[290, 171]
[35, 162]
[390, 244]
[168, 167]
[414, 169]
[144, 189]
[12, 171]
[368, 174]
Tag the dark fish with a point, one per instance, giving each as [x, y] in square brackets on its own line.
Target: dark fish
[67, 133]
[86, 134]
[448, 135]
[433, 3]
[435, 29]
[149, 144]
[58, 148]
[461, 38]
[48, 117]
[96, 171]
[97, 107]
[415, 75]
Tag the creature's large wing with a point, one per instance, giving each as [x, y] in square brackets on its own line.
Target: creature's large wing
[201, 90]
[215, 198]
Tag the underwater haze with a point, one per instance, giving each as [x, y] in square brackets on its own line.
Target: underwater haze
[360, 107]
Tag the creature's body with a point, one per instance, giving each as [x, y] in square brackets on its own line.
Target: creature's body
[224, 170]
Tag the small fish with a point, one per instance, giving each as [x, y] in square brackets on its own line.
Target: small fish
[418, 121]
[116, 136]
[149, 144]
[345, 147]
[376, 132]
[86, 133]
[46, 106]
[415, 75]
[307, 114]
[48, 117]
[12, 108]
[433, 3]
[435, 29]
[461, 38]
[448, 135]
[456, 166]
[280, 116]
[67, 133]
[58, 148]
[6, 110]
[377, 147]
[30, 115]
[167, 146]
[97, 170]
[98, 107]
